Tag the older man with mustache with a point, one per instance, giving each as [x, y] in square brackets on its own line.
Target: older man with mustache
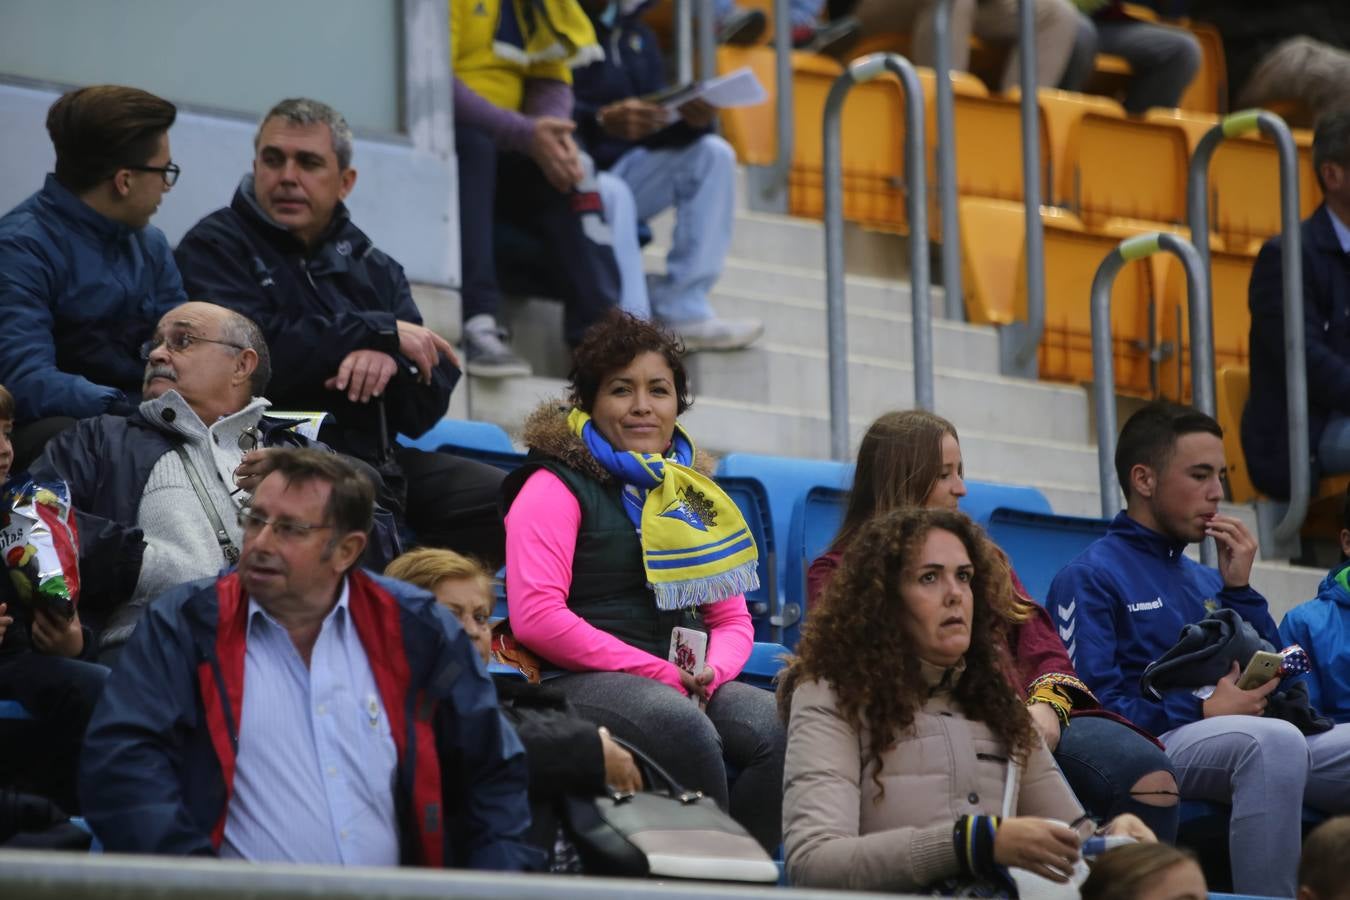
[158, 491]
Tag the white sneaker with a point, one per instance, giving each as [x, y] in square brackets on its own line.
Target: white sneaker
[486, 353]
[715, 333]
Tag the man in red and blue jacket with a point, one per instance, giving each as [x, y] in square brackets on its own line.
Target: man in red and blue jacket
[182, 759]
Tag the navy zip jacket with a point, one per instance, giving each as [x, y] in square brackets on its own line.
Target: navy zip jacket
[1123, 602]
[632, 67]
[315, 307]
[80, 293]
[159, 755]
[1326, 339]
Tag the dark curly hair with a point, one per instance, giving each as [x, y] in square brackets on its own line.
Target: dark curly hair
[857, 641]
[613, 343]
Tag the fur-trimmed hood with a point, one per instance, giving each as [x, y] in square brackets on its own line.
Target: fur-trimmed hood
[545, 431]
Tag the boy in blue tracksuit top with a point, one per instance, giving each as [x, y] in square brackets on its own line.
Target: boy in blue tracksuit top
[1122, 604]
[1322, 627]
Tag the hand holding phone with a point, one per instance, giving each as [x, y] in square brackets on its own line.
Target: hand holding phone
[1262, 667]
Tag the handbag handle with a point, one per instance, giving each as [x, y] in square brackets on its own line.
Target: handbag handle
[672, 787]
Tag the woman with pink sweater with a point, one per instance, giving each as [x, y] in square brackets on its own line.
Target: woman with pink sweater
[615, 537]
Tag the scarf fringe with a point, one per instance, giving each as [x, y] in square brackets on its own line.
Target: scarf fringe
[693, 592]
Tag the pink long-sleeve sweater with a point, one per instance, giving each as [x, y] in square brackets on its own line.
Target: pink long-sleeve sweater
[541, 537]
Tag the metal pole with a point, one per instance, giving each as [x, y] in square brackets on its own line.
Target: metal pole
[707, 40]
[861, 71]
[684, 40]
[776, 186]
[1103, 369]
[1295, 371]
[946, 162]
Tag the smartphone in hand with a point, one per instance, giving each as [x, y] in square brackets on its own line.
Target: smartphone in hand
[1262, 667]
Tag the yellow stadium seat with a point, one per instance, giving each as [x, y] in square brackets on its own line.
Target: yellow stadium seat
[1125, 169]
[1208, 91]
[1195, 124]
[1230, 273]
[1232, 385]
[1061, 111]
[989, 148]
[991, 248]
[1071, 261]
[1244, 185]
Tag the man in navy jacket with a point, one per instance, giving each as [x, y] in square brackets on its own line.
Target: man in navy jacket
[340, 319]
[1123, 602]
[1326, 329]
[83, 274]
[301, 709]
[651, 164]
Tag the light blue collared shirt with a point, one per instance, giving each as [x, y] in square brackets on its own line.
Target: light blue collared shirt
[1342, 232]
[314, 773]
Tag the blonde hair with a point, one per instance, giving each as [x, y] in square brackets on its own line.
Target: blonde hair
[427, 567]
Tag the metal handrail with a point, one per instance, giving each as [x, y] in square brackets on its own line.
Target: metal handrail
[52, 875]
[946, 162]
[1295, 372]
[1020, 340]
[1103, 368]
[706, 29]
[921, 312]
[776, 185]
[684, 41]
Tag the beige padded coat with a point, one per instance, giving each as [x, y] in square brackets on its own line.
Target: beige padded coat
[840, 831]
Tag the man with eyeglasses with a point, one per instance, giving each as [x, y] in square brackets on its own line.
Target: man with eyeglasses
[83, 274]
[302, 709]
[340, 313]
[158, 492]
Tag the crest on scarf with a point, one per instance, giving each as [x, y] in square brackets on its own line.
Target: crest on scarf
[1210, 605]
[692, 508]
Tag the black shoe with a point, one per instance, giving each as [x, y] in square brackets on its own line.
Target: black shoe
[741, 26]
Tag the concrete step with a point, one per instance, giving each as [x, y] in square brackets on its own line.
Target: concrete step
[860, 291]
[791, 321]
[796, 379]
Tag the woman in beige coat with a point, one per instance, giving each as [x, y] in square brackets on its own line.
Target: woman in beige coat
[901, 724]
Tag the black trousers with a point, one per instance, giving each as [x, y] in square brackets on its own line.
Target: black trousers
[507, 185]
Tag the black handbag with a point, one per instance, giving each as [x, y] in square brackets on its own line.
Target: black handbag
[663, 832]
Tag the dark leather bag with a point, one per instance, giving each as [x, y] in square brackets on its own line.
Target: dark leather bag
[663, 832]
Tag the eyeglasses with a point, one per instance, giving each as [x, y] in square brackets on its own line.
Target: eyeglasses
[169, 173]
[284, 529]
[181, 342]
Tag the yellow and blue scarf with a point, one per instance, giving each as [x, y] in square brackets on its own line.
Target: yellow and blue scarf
[696, 547]
[530, 31]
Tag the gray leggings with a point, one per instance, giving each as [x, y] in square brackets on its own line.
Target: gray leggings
[740, 732]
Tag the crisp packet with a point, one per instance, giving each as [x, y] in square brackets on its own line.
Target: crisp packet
[40, 543]
[1296, 661]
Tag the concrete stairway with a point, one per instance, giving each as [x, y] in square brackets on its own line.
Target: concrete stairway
[772, 398]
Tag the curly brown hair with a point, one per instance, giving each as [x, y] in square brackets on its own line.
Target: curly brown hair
[857, 640]
[614, 342]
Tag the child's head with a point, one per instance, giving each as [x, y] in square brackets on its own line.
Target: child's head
[1324, 869]
[1145, 872]
[6, 426]
[460, 585]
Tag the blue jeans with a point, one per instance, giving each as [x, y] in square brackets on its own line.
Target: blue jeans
[804, 12]
[697, 179]
[1101, 759]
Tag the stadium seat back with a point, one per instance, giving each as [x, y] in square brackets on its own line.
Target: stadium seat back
[1126, 169]
[1230, 274]
[1041, 543]
[751, 499]
[1231, 387]
[989, 148]
[481, 441]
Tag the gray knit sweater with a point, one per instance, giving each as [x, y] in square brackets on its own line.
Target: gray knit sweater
[180, 543]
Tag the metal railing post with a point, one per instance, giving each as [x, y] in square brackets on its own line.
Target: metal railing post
[1103, 363]
[707, 39]
[684, 41]
[1295, 373]
[946, 162]
[863, 70]
[776, 186]
[1020, 340]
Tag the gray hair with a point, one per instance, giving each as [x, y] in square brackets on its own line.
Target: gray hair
[1331, 141]
[304, 111]
[240, 329]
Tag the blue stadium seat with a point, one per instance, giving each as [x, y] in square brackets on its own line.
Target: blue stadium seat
[1040, 544]
[764, 602]
[816, 517]
[482, 441]
[764, 664]
[983, 497]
